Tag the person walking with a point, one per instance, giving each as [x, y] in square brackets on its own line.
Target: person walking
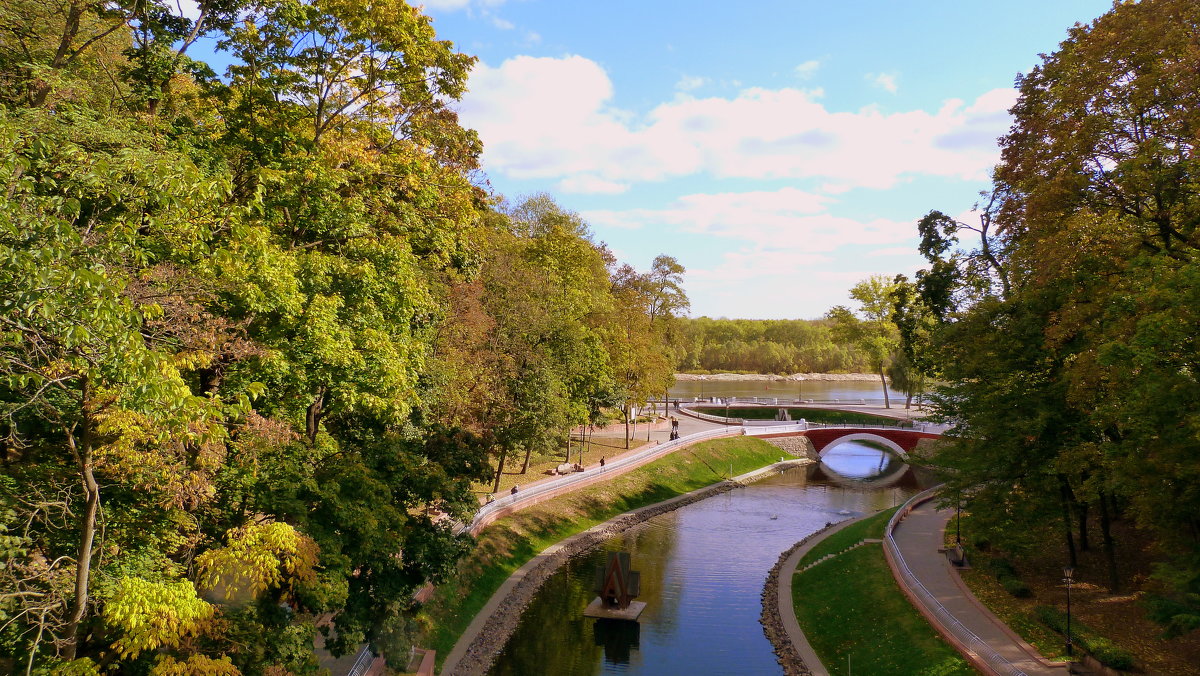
[601, 463]
[514, 490]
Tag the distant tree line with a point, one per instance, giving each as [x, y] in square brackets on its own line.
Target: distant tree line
[768, 346]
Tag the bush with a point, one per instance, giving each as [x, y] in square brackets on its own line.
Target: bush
[1176, 617]
[1108, 653]
[1016, 587]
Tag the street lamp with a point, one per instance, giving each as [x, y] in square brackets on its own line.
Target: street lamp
[958, 520]
[1068, 572]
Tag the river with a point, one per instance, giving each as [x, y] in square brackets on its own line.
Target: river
[817, 390]
[702, 571]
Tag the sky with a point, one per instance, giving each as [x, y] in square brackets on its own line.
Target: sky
[780, 150]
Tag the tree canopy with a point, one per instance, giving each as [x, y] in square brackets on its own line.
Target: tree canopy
[263, 334]
[1068, 336]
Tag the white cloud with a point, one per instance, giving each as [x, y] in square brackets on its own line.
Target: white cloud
[884, 81]
[807, 69]
[554, 118]
[783, 220]
[689, 82]
[503, 24]
[891, 251]
[452, 5]
[591, 185]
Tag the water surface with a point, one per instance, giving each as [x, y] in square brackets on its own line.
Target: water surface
[702, 572]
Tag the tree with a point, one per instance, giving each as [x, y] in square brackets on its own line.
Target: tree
[875, 333]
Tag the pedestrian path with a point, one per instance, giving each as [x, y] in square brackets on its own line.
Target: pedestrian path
[918, 538]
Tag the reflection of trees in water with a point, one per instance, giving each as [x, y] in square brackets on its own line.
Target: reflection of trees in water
[651, 547]
[561, 643]
[553, 633]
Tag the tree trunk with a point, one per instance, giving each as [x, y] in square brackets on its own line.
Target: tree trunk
[525, 465]
[1082, 512]
[568, 445]
[500, 469]
[887, 403]
[1110, 552]
[1064, 493]
[312, 417]
[87, 529]
[908, 401]
[627, 426]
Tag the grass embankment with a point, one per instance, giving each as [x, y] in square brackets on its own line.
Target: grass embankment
[507, 544]
[869, 528]
[857, 619]
[813, 415]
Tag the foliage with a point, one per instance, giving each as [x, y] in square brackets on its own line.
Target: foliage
[153, 614]
[259, 333]
[1066, 335]
[258, 557]
[766, 346]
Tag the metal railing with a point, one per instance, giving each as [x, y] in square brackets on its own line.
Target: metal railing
[997, 662]
[648, 453]
[755, 428]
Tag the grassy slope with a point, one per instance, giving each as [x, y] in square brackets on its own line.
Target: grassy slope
[870, 527]
[851, 607]
[507, 544]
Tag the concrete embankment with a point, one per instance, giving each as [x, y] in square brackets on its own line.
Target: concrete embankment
[487, 634]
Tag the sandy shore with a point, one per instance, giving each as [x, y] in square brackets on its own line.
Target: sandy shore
[829, 377]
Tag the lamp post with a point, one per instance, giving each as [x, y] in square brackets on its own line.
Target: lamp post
[958, 520]
[1068, 572]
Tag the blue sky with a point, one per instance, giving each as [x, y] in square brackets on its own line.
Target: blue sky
[780, 150]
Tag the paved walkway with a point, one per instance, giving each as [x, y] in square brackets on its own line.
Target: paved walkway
[918, 538]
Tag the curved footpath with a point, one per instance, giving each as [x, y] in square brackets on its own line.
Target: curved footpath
[978, 634]
[488, 632]
[919, 537]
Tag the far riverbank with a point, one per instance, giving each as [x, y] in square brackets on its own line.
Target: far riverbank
[794, 377]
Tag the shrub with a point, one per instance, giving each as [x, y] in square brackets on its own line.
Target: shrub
[1016, 587]
[1108, 653]
[1176, 617]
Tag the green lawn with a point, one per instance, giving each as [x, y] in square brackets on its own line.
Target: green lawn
[859, 621]
[813, 415]
[507, 544]
[870, 527]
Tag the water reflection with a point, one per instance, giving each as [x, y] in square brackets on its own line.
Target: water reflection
[617, 637]
[702, 568]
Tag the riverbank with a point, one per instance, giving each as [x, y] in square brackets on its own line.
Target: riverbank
[832, 588]
[507, 545]
[795, 377]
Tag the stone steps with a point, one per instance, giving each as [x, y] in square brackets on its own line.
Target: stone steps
[856, 545]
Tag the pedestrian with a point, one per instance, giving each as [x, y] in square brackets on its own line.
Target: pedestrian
[601, 462]
[514, 489]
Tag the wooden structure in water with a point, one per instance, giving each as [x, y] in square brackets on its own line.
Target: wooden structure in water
[616, 585]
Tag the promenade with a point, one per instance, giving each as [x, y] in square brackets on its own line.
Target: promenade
[918, 538]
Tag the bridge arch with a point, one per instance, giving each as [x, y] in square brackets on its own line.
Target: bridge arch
[864, 436]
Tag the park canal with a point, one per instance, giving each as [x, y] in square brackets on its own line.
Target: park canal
[702, 571]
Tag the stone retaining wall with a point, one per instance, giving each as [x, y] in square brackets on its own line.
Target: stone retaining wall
[785, 650]
[798, 446]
